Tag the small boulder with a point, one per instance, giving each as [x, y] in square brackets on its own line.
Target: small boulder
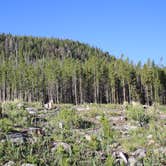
[120, 157]
[31, 110]
[124, 157]
[17, 137]
[34, 131]
[61, 125]
[20, 105]
[10, 163]
[82, 108]
[27, 164]
[49, 105]
[65, 146]
[132, 161]
[88, 137]
[151, 142]
[162, 116]
[150, 136]
[161, 150]
[139, 153]
[98, 117]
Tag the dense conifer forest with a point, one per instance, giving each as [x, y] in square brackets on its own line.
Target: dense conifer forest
[38, 69]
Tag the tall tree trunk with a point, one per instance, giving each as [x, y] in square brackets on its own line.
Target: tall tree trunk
[95, 90]
[75, 89]
[151, 93]
[124, 91]
[147, 94]
[113, 95]
[130, 100]
[107, 94]
[57, 93]
[80, 84]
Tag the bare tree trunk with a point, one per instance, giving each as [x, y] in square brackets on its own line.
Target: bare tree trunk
[29, 97]
[75, 88]
[147, 95]
[57, 93]
[95, 90]
[151, 93]
[113, 95]
[110, 95]
[80, 84]
[107, 94]
[130, 94]
[124, 92]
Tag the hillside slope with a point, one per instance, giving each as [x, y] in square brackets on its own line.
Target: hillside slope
[39, 69]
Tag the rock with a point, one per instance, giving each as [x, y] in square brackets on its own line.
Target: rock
[82, 108]
[124, 157]
[150, 136]
[34, 130]
[20, 105]
[151, 142]
[65, 146]
[128, 127]
[98, 117]
[17, 137]
[10, 163]
[51, 112]
[88, 137]
[125, 127]
[31, 110]
[27, 164]
[132, 161]
[61, 125]
[117, 119]
[49, 105]
[162, 116]
[139, 153]
[120, 157]
[161, 150]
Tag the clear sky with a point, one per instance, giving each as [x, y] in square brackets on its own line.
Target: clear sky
[136, 28]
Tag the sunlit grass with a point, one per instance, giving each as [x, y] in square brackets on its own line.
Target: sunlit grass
[89, 134]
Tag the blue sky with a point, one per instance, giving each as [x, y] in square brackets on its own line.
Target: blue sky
[135, 28]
